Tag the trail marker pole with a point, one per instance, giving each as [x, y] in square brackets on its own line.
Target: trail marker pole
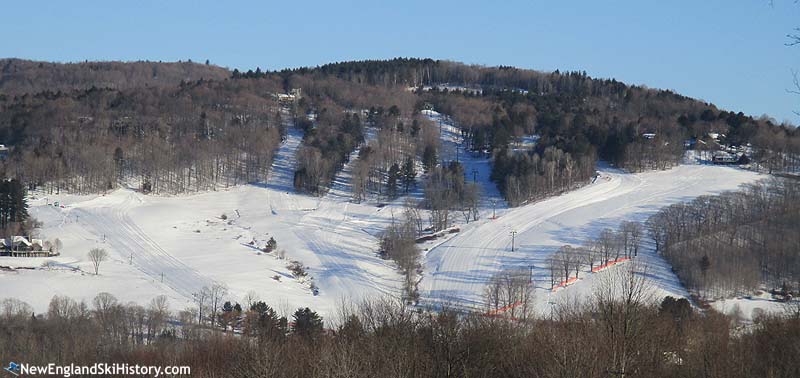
[513, 234]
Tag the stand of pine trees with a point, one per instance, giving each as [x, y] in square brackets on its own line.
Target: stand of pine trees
[13, 207]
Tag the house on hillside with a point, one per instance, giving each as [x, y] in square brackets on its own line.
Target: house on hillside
[4, 151]
[723, 157]
[294, 95]
[20, 246]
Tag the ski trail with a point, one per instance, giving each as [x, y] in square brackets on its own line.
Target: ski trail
[342, 185]
[477, 168]
[346, 255]
[490, 241]
[115, 228]
[281, 176]
[458, 269]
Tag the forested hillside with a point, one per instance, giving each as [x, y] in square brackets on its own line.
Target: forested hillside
[19, 76]
[177, 127]
[734, 243]
[578, 119]
[191, 137]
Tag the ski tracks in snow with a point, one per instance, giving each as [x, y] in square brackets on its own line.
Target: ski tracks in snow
[115, 228]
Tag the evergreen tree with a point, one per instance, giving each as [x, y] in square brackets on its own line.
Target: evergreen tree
[391, 181]
[705, 263]
[271, 245]
[409, 173]
[266, 323]
[429, 158]
[119, 160]
[13, 206]
[307, 323]
[414, 128]
[227, 307]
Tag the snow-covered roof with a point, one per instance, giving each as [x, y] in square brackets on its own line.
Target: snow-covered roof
[20, 240]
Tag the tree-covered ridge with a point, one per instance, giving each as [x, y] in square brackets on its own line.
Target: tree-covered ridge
[578, 118]
[193, 135]
[18, 76]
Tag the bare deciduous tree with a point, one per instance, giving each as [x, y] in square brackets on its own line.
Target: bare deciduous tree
[510, 293]
[97, 256]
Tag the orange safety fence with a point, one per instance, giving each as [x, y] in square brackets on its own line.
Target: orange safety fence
[561, 284]
[571, 280]
[610, 263]
[503, 309]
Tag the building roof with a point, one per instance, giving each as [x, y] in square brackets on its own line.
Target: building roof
[20, 240]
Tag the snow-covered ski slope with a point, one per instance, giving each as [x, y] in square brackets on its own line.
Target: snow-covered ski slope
[456, 271]
[342, 185]
[280, 179]
[175, 245]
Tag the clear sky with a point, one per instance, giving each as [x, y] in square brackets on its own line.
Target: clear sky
[731, 53]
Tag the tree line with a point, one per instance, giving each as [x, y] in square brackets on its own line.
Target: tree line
[629, 335]
[608, 246]
[19, 76]
[734, 243]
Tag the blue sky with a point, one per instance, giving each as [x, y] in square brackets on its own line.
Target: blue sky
[731, 53]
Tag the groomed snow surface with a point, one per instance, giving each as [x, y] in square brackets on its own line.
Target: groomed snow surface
[457, 270]
[176, 245]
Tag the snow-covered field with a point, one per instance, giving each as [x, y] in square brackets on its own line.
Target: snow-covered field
[176, 245]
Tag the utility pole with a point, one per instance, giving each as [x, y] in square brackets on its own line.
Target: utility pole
[474, 175]
[531, 277]
[513, 234]
[131, 260]
[494, 205]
